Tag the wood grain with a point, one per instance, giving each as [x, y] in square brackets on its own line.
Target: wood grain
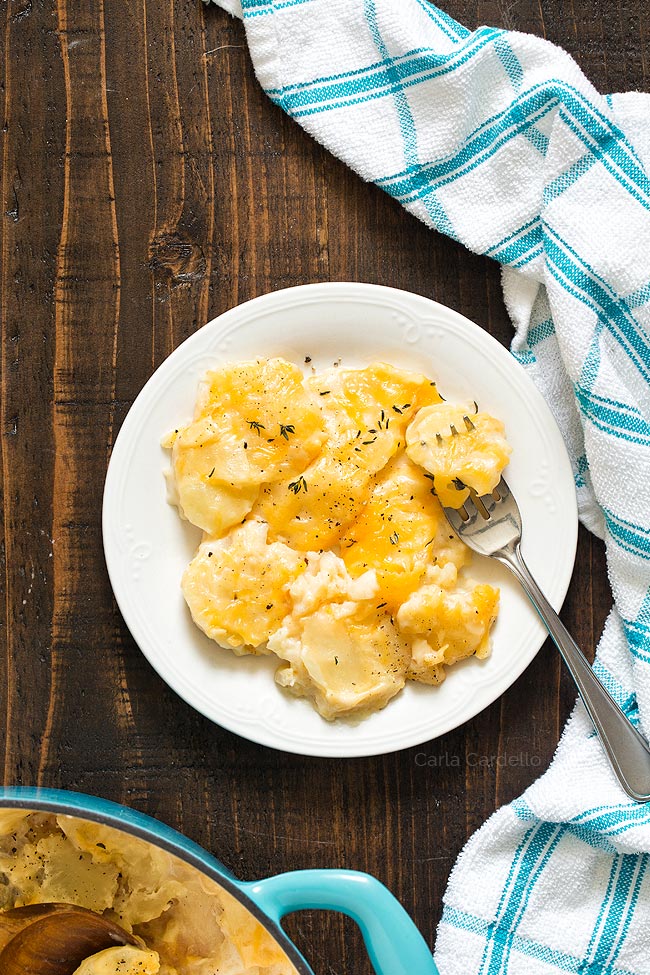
[148, 185]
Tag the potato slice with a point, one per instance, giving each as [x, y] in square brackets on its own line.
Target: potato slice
[237, 587]
[255, 423]
[342, 650]
[447, 623]
[400, 531]
[125, 960]
[365, 413]
[458, 453]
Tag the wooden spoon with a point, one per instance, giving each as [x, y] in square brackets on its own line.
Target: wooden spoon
[54, 939]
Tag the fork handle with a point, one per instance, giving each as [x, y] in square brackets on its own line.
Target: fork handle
[625, 747]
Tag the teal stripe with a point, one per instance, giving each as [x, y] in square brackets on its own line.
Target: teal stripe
[630, 537]
[544, 839]
[591, 364]
[530, 256]
[522, 246]
[510, 62]
[639, 297]
[566, 179]
[406, 122]
[582, 466]
[565, 962]
[524, 356]
[595, 292]
[608, 143]
[444, 22]
[613, 820]
[611, 886]
[629, 914]
[535, 861]
[538, 140]
[268, 8]
[613, 151]
[592, 838]
[617, 909]
[480, 145]
[506, 892]
[543, 330]
[535, 222]
[639, 645]
[348, 75]
[378, 85]
[613, 418]
[637, 631]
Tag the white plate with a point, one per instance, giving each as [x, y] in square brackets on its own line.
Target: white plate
[147, 545]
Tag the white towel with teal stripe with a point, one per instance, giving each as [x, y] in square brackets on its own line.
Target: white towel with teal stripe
[498, 140]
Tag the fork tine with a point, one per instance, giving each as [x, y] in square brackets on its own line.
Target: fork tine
[479, 504]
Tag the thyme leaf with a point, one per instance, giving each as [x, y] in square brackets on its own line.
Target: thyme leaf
[299, 485]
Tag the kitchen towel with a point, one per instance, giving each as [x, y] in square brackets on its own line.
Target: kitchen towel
[497, 139]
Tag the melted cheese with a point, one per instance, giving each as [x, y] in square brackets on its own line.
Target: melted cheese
[325, 542]
[460, 448]
[237, 587]
[255, 423]
[121, 961]
[341, 649]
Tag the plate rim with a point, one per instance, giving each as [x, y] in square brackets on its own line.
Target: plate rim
[320, 291]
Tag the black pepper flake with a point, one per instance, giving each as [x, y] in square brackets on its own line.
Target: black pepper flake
[269, 606]
[394, 538]
[307, 358]
[325, 392]
[211, 472]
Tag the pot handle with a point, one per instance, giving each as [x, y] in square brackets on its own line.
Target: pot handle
[393, 942]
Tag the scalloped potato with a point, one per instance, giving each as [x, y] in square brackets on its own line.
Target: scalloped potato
[188, 923]
[460, 448]
[325, 542]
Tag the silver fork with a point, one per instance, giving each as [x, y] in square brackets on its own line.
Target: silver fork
[491, 525]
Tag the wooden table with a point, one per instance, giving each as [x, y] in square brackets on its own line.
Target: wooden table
[148, 185]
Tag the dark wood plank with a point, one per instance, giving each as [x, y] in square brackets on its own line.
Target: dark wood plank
[148, 185]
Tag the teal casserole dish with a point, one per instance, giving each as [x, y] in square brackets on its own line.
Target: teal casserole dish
[394, 944]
